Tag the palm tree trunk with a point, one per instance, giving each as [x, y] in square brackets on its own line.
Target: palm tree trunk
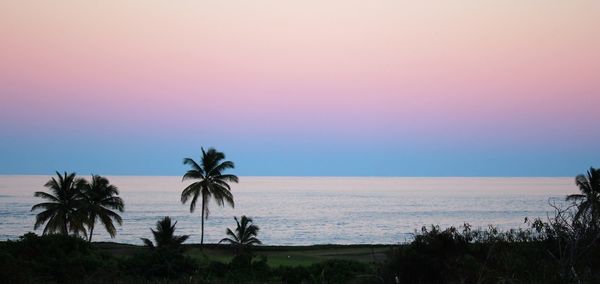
[65, 229]
[202, 230]
[91, 232]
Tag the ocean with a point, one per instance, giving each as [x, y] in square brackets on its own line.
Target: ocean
[310, 210]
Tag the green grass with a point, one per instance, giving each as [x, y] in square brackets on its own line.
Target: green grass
[276, 255]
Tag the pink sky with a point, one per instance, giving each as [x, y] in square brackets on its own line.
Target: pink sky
[511, 72]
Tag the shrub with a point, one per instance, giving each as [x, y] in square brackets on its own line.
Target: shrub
[245, 268]
[292, 274]
[338, 271]
[52, 258]
[159, 264]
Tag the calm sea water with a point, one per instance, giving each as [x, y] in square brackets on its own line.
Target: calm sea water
[311, 210]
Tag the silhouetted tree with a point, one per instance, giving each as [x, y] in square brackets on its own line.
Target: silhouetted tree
[62, 211]
[245, 234]
[211, 182]
[589, 198]
[100, 199]
[164, 236]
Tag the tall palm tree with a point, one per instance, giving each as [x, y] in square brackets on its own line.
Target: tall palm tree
[62, 209]
[100, 199]
[211, 182]
[245, 233]
[164, 236]
[589, 198]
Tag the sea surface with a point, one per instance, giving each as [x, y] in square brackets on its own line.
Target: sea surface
[310, 210]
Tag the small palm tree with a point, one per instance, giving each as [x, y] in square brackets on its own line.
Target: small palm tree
[589, 198]
[212, 182]
[62, 210]
[100, 199]
[164, 236]
[245, 234]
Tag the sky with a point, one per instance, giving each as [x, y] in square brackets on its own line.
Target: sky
[301, 88]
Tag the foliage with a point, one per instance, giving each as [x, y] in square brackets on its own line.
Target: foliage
[74, 203]
[244, 269]
[164, 236]
[480, 256]
[588, 201]
[99, 200]
[211, 182]
[564, 248]
[62, 210]
[330, 271]
[244, 236]
[292, 274]
[52, 258]
[159, 264]
[165, 260]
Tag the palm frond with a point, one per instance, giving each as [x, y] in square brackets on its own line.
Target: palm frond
[42, 218]
[253, 241]
[228, 178]
[222, 194]
[228, 240]
[220, 168]
[181, 239]
[192, 174]
[46, 196]
[190, 191]
[45, 206]
[194, 165]
[147, 242]
[193, 202]
[232, 234]
[108, 224]
[575, 197]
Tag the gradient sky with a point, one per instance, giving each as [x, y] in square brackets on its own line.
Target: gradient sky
[334, 88]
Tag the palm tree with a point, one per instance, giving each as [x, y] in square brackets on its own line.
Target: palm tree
[212, 182]
[589, 198]
[100, 199]
[164, 235]
[62, 211]
[245, 233]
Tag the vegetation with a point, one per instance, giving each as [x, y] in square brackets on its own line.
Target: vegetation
[588, 201]
[68, 259]
[563, 248]
[100, 199]
[165, 259]
[74, 203]
[244, 236]
[211, 182]
[165, 237]
[489, 256]
[54, 258]
[61, 211]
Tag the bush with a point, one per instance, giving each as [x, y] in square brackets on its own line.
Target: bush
[330, 271]
[482, 256]
[338, 271]
[54, 259]
[245, 268]
[292, 274]
[159, 264]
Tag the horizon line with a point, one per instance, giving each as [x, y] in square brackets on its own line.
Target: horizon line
[306, 176]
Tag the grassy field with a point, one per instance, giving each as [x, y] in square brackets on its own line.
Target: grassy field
[276, 255]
